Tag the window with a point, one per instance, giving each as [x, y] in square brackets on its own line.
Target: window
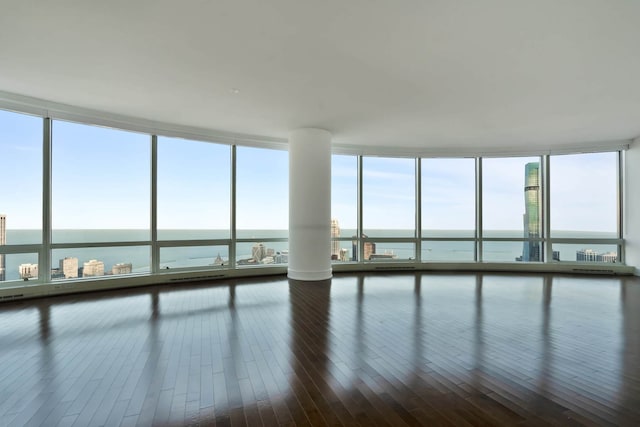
[388, 197]
[20, 179]
[262, 193]
[584, 195]
[448, 198]
[194, 187]
[262, 206]
[100, 184]
[448, 209]
[344, 206]
[512, 207]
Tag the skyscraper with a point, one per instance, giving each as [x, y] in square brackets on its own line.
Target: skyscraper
[335, 244]
[3, 241]
[531, 217]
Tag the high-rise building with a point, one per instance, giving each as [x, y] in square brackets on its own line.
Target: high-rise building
[3, 241]
[69, 267]
[531, 217]
[93, 268]
[335, 244]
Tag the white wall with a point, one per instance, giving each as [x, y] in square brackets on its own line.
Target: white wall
[632, 205]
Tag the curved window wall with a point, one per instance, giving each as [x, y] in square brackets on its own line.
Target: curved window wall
[79, 201]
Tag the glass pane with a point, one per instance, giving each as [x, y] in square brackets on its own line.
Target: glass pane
[585, 252]
[344, 199]
[389, 251]
[504, 251]
[21, 178]
[194, 256]
[18, 267]
[448, 197]
[193, 190]
[72, 263]
[511, 197]
[388, 197]
[584, 195]
[262, 193]
[260, 253]
[441, 250]
[100, 181]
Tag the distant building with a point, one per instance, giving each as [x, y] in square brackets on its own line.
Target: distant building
[122, 268]
[369, 248]
[268, 260]
[375, 256]
[93, 268]
[586, 255]
[69, 267]
[28, 271]
[589, 255]
[258, 251]
[282, 257]
[56, 274]
[531, 217]
[335, 244]
[3, 241]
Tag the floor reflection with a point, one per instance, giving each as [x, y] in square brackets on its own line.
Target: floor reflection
[402, 348]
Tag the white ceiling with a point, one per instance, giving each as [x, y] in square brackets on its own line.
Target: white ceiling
[433, 74]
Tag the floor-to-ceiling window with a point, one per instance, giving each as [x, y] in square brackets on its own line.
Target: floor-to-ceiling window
[511, 209]
[388, 208]
[448, 209]
[193, 203]
[584, 206]
[262, 206]
[20, 196]
[344, 208]
[100, 201]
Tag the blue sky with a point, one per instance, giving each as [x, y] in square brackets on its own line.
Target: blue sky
[101, 179]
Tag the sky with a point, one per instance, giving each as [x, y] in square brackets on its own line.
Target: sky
[101, 179]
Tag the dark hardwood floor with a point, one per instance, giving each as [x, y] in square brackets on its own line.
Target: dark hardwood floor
[375, 349]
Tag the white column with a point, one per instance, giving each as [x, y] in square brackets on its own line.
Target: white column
[632, 206]
[309, 204]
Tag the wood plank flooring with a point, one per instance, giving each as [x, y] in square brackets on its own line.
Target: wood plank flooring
[358, 350]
